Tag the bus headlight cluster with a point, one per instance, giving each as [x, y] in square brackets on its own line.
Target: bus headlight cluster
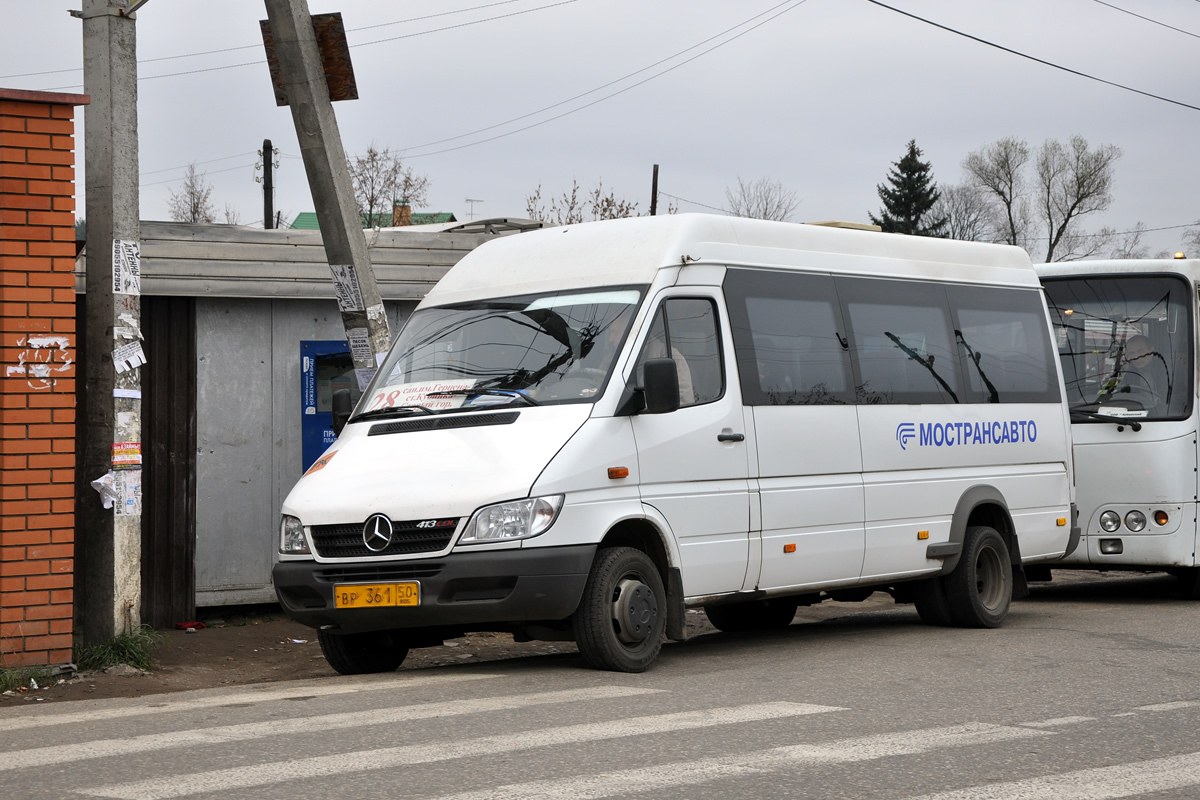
[1110, 521]
[1135, 521]
[291, 536]
[519, 519]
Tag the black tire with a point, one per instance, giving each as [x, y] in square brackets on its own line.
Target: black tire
[1189, 582]
[623, 612]
[363, 653]
[980, 587]
[933, 606]
[759, 615]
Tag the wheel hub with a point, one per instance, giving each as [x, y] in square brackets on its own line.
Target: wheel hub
[635, 610]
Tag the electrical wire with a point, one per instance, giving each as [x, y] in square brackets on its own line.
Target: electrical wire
[1139, 16]
[598, 88]
[259, 44]
[795, 3]
[1034, 58]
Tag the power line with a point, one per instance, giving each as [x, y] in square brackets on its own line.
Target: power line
[1034, 58]
[196, 163]
[213, 172]
[360, 44]
[259, 44]
[795, 3]
[1139, 16]
[693, 202]
[598, 88]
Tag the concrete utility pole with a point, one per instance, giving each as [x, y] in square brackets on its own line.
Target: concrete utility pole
[268, 162]
[109, 585]
[307, 93]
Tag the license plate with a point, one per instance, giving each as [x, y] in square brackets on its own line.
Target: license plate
[377, 594]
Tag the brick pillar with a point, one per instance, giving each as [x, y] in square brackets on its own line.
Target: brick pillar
[37, 376]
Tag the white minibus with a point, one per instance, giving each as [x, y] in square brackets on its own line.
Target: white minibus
[583, 431]
[1126, 336]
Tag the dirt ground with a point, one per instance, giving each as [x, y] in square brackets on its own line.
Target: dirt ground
[258, 644]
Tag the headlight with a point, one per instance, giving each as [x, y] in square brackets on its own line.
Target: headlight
[518, 519]
[1110, 521]
[291, 536]
[1135, 520]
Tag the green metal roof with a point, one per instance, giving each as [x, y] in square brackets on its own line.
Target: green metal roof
[307, 220]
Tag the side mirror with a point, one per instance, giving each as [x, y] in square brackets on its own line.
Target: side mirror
[660, 385]
[341, 409]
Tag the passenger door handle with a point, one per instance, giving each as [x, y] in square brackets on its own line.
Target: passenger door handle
[731, 437]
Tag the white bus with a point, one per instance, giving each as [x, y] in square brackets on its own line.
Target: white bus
[583, 431]
[1126, 337]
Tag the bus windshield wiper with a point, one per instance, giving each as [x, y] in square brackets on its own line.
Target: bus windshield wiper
[391, 411]
[1133, 423]
[493, 392]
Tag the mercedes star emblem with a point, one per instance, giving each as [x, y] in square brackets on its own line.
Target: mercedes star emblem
[377, 533]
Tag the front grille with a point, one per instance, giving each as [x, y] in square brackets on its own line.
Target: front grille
[346, 541]
[378, 573]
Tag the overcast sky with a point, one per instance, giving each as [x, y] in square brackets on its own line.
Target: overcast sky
[492, 98]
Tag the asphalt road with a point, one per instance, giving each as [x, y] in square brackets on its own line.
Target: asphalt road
[1090, 690]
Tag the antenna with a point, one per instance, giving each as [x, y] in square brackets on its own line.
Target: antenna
[471, 210]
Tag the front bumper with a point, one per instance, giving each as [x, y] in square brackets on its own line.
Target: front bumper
[471, 591]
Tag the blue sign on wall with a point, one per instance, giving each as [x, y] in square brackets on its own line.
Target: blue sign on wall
[325, 365]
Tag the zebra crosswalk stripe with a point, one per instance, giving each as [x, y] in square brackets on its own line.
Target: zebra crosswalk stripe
[322, 766]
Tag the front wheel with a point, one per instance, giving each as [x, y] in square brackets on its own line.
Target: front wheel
[621, 618]
[362, 653]
[980, 587]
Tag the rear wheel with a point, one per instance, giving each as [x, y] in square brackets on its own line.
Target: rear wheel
[362, 653]
[980, 587]
[759, 615]
[1189, 582]
[621, 618]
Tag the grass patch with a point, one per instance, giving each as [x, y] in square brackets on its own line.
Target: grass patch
[11, 679]
[135, 649]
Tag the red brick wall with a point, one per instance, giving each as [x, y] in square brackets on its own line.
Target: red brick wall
[37, 376]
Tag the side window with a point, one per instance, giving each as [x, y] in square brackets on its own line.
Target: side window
[1003, 339]
[789, 338]
[902, 341]
[685, 330]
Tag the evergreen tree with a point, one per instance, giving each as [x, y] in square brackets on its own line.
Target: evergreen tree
[910, 197]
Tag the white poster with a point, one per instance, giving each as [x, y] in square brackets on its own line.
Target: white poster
[128, 485]
[345, 281]
[360, 345]
[128, 356]
[126, 267]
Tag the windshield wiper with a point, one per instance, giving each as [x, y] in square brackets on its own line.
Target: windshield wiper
[391, 411]
[1133, 423]
[476, 392]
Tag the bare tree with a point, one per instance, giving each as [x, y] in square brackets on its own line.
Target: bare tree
[1070, 180]
[1129, 244]
[998, 170]
[192, 203]
[762, 199]
[1073, 180]
[232, 215]
[968, 214]
[380, 178]
[1191, 240]
[571, 207]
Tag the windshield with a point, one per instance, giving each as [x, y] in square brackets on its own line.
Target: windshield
[529, 350]
[1125, 344]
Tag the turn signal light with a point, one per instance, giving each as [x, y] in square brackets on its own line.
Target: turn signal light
[789, 548]
[618, 472]
[1160, 518]
[922, 534]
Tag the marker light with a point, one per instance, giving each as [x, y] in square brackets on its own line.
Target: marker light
[1110, 521]
[1160, 518]
[618, 472]
[1111, 547]
[922, 535]
[789, 548]
[1180, 255]
[1135, 521]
